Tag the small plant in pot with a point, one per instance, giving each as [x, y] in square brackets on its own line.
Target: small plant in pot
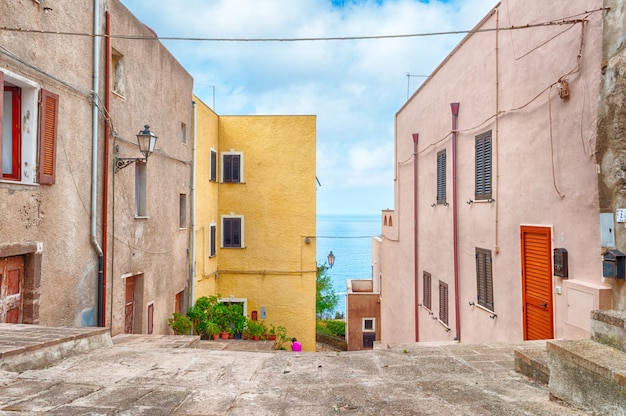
[239, 326]
[271, 334]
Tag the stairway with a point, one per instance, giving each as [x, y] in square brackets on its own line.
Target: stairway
[589, 374]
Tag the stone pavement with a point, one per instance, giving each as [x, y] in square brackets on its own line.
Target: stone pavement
[135, 378]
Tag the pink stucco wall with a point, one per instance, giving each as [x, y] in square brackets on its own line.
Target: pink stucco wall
[544, 173]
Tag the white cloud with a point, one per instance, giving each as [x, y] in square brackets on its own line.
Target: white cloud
[355, 87]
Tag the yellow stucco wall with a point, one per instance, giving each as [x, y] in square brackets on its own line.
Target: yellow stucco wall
[275, 269]
[206, 199]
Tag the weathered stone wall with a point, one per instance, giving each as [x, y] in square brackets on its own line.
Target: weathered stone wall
[611, 146]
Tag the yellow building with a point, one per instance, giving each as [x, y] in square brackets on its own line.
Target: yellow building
[255, 216]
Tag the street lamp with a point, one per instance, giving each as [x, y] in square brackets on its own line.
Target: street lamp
[146, 141]
[331, 259]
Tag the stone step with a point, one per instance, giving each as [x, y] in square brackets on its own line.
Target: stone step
[533, 363]
[27, 347]
[588, 375]
[608, 327]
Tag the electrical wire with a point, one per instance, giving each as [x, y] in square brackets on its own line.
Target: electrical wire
[557, 22]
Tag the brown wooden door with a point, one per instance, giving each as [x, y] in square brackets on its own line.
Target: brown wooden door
[129, 308]
[11, 286]
[537, 282]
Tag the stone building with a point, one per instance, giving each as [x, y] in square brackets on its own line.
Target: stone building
[82, 243]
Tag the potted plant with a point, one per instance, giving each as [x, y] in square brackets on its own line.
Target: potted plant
[213, 330]
[255, 329]
[271, 334]
[221, 316]
[239, 326]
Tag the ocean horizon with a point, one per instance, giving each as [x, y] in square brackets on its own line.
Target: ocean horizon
[349, 237]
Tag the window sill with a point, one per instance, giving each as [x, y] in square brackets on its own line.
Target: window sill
[482, 308]
[18, 183]
[443, 324]
[235, 248]
[140, 217]
[117, 94]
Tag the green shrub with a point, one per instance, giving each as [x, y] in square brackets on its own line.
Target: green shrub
[181, 324]
[333, 328]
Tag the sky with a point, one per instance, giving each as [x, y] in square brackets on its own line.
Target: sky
[354, 87]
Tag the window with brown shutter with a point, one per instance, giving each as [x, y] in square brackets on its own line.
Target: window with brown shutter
[48, 110]
[441, 177]
[427, 292]
[484, 278]
[443, 302]
[483, 166]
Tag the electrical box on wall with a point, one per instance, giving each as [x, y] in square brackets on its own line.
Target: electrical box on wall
[613, 264]
[560, 262]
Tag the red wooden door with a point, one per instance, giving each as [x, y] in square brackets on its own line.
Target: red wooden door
[11, 284]
[129, 306]
[537, 282]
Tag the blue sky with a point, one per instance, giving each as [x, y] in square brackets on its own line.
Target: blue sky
[354, 87]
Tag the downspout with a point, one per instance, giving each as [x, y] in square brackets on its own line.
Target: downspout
[496, 160]
[192, 278]
[415, 237]
[455, 115]
[105, 157]
[94, 155]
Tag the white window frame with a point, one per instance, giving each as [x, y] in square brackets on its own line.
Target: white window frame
[242, 245]
[236, 300]
[30, 126]
[363, 329]
[241, 163]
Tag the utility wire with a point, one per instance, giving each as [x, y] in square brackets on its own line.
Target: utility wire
[307, 39]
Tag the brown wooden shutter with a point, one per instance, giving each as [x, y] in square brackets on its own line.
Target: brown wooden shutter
[1, 116]
[48, 120]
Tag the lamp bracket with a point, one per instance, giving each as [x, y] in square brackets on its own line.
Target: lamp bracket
[122, 162]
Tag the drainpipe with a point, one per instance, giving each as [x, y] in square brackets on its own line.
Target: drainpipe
[105, 158]
[94, 154]
[415, 238]
[455, 115]
[192, 278]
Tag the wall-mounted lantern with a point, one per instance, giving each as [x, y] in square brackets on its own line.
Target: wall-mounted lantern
[146, 141]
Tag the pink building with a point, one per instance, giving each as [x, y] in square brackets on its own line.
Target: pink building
[495, 158]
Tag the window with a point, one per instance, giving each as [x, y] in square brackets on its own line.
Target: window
[427, 291]
[141, 208]
[232, 167]
[483, 166]
[369, 325]
[180, 301]
[117, 72]
[484, 278]
[183, 133]
[182, 215]
[212, 242]
[441, 177]
[150, 326]
[232, 231]
[28, 131]
[213, 166]
[443, 302]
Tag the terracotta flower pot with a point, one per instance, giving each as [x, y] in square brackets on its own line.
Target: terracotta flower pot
[225, 335]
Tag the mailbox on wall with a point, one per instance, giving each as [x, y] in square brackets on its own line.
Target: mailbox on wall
[560, 262]
[613, 264]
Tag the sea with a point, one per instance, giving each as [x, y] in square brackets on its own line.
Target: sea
[349, 237]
